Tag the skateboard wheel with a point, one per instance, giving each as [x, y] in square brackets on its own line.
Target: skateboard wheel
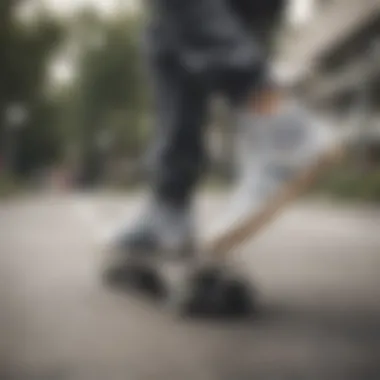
[138, 278]
[210, 294]
[116, 275]
[239, 298]
[185, 291]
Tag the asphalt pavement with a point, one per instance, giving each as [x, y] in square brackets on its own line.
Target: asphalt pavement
[316, 270]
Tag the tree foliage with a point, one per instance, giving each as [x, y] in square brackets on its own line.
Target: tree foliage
[111, 97]
[25, 52]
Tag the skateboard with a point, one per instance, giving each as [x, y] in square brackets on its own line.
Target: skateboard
[206, 282]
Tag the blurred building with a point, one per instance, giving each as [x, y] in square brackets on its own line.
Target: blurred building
[333, 59]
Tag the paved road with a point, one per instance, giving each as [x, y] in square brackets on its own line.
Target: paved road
[317, 269]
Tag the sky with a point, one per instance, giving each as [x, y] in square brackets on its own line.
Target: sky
[104, 6]
[300, 11]
[65, 8]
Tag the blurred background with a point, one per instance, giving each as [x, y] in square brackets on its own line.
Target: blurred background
[75, 107]
[75, 114]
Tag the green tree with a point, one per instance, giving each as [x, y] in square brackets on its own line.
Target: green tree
[25, 52]
[110, 90]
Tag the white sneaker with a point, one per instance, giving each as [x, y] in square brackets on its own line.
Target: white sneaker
[271, 150]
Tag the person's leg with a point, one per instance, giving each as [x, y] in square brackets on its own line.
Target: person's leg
[178, 150]
[195, 44]
[176, 160]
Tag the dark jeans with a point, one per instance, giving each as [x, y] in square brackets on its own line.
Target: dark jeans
[194, 49]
